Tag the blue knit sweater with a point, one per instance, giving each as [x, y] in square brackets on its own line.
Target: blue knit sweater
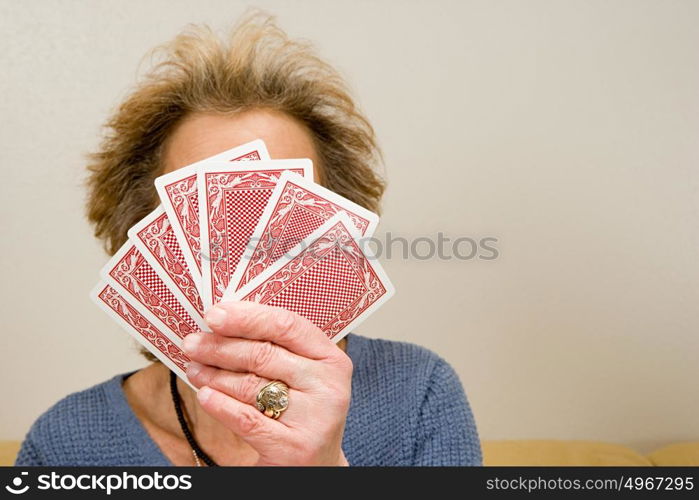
[407, 408]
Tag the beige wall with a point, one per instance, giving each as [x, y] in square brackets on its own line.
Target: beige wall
[568, 130]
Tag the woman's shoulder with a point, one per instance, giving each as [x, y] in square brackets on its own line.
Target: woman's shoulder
[77, 409]
[372, 356]
[408, 407]
[76, 429]
[398, 369]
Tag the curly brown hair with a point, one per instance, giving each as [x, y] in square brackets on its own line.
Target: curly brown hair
[256, 66]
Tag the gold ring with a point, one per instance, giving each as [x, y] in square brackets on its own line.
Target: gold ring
[273, 399]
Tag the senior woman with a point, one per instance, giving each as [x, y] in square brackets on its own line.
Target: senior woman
[360, 402]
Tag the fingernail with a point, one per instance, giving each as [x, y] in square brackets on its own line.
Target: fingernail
[216, 317]
[191, 342]
[193, 369]
[204, 394]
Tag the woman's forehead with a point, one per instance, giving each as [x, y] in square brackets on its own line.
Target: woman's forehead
[202, 135]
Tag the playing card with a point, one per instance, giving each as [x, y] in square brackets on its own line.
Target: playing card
[155, 239]
[140, 328]
[178, 195]
[232, 197]
[130, 274]
[326, 278]
[296, 208]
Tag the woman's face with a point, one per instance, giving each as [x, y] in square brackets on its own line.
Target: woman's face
[201, 135]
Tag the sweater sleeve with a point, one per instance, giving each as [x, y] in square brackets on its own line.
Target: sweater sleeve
[447, 432]
[28, 454]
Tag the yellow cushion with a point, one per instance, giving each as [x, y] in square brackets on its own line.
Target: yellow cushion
[554, 452]
[676, 454]
[8, 452]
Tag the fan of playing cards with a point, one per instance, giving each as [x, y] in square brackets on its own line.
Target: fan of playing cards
[240, 226]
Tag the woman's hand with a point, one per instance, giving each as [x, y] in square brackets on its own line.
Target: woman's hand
[253, 344]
